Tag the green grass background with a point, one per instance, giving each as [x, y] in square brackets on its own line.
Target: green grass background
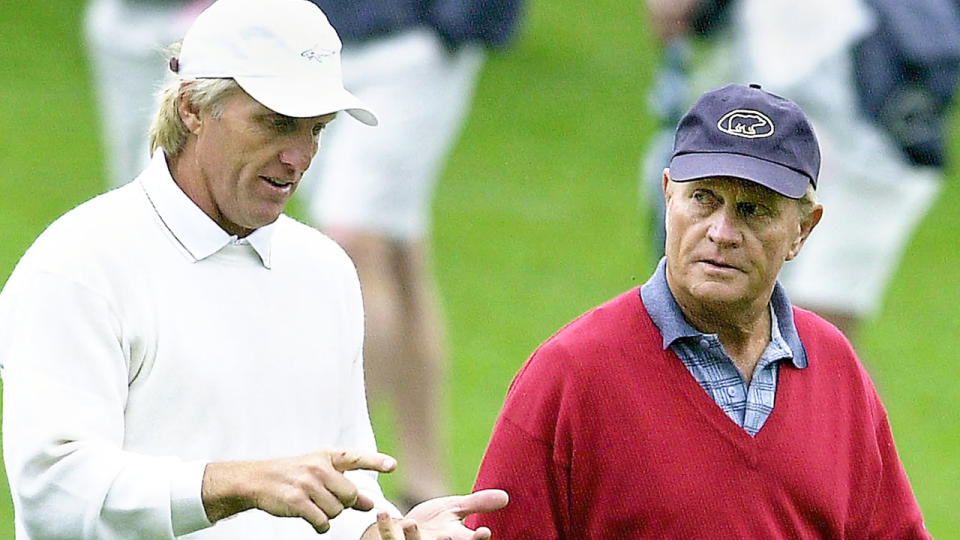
[537, 219]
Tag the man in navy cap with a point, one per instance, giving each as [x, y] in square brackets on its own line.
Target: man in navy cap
[703, 404]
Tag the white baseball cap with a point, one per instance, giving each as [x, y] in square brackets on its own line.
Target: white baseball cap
[284, 53]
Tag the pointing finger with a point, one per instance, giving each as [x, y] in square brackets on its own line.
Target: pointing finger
[345, 460]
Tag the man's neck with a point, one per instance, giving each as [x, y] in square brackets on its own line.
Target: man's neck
[744, 331]
[188, 176]
[185, 172]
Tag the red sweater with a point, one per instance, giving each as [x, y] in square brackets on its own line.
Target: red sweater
[605, 435]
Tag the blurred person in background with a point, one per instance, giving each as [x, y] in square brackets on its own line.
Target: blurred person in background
[179, 357]
[876, 78]
[125, 41]
[703, 404]
[416, 62]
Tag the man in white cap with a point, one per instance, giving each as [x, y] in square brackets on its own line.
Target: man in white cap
[177, 352]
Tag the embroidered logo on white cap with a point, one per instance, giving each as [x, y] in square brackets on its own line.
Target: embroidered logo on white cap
[317, 54]
[746, 123]
[283, 53]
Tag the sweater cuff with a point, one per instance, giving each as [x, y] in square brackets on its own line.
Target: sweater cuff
[186, 504]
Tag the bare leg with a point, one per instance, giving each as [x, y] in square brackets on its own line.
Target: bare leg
[420, 390]
[404, 353]
[373, 257]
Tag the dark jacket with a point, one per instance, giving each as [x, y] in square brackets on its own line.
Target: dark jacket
[907, 72]
[491, 23]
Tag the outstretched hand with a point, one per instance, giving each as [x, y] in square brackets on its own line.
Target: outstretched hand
[442, 518]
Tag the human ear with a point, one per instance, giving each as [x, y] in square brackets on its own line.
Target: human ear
[806, 226]
[189, 113]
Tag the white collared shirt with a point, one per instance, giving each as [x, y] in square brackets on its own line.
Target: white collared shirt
[139, 341]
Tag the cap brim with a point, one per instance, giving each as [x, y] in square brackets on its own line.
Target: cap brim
[783, 180]
[305, 99]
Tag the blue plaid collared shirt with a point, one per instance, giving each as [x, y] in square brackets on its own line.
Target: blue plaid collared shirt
[713, 369]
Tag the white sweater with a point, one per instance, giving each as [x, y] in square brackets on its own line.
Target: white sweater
[139, 341]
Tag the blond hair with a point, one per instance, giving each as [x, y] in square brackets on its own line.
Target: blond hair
[167, 131]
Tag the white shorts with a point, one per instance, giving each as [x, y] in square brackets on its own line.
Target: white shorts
[381, 179]
[872, 197]
[871, 209]
[126, 43]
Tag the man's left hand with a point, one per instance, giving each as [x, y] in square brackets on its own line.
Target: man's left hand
[442, 518]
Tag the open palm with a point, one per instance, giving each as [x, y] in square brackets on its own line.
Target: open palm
[442, 518]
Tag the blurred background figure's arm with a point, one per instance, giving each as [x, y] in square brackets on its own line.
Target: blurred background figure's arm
[670, 18]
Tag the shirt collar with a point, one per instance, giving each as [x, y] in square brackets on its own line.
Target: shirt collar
[669, 319]
[194, 231]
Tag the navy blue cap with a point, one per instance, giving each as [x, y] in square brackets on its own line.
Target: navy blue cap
[745, 132]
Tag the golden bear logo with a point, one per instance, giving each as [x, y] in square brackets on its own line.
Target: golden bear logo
[746, 123]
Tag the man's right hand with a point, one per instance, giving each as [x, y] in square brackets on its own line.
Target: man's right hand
[311, 487]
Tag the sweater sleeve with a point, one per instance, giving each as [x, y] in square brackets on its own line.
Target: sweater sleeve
[358, 434]
[356, 431]
[896, 513]
[65, 387]
[522, 466]
[523, 457]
